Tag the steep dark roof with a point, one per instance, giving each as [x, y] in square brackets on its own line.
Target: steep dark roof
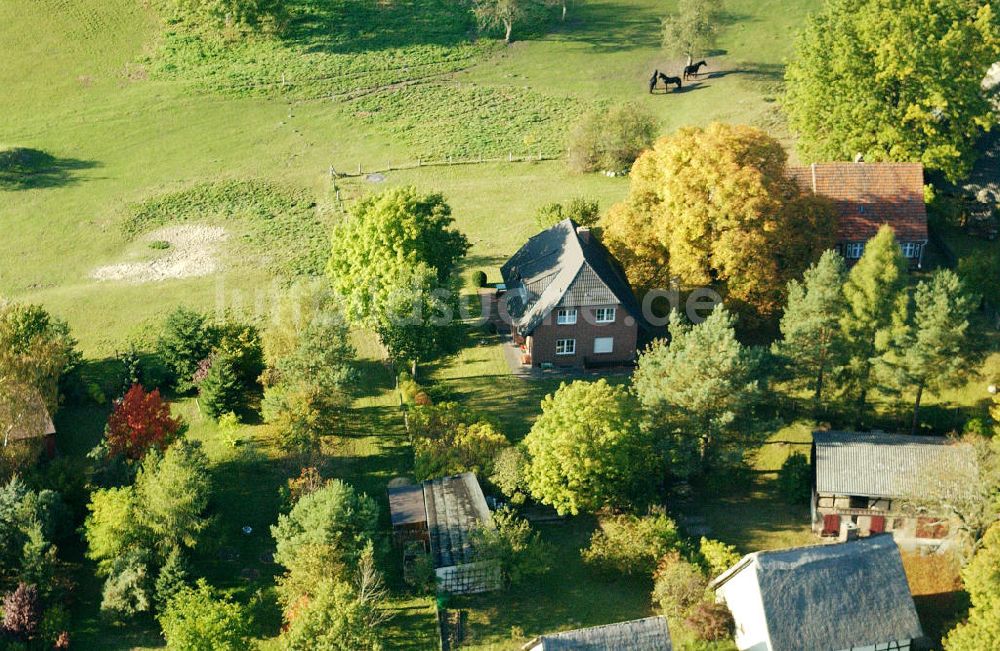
[828, 597]
[876, 464]
[867, 195]
[455, 507]
[559, 259]
[649, 634]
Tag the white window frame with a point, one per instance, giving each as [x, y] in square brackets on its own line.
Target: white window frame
[610, 349]
[910, 249]
[609, 314]
[566, 316]
[568, 346]
[854, 250]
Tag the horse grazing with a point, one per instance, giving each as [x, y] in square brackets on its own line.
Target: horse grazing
[653, 79]
[670, 80]
[692, 70]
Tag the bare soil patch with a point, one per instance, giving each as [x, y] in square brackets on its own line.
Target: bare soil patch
[193, 252]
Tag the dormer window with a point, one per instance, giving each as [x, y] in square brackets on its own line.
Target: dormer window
[566, 316]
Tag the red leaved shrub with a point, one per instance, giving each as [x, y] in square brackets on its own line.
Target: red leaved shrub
[140, 420]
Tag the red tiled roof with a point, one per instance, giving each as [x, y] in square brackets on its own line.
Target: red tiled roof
[867, 195]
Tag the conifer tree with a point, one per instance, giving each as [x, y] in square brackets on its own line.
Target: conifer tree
[811, 332]
[699, 390]
[875, 293]
[929, 349]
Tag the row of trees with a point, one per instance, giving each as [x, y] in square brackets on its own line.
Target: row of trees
[235, 18]
[864, 330]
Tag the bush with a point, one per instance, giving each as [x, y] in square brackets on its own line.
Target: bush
[584, 212]
[510, 474]
[171, 579]
[630, 544]
[677, 585]
[197, 618]
[611, 140]
[448, 439]
[717, 556]
[21, 611]
[519, 550]
[710, 621]
[795, 478]
[479, 278]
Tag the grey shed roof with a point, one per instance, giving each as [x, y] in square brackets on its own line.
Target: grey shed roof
[564, 265]
[406, 505]
[876, 464]
[649, 634]
[455, 507]
[829, 597]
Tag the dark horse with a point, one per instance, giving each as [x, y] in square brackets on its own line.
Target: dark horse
[670, 80]
[692, 70]
[652, 80]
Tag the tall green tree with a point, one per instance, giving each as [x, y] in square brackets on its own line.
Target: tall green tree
[588, 450]
[982, 581]
[894, 80]
[811, 333]
[929, 348]
[875, 293]
[692, 30]
[323, 535]
[392, 262]
[700, 390]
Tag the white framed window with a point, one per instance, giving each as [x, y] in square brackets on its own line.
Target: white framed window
[910, 249]
[604, 315]
[566, 316]
[603, 345]
[565, 346]
[854, 250]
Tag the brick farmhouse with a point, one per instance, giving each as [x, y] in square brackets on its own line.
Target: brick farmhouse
[568, 302]
[867, 195]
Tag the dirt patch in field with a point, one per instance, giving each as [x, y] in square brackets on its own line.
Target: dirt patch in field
[193, 252]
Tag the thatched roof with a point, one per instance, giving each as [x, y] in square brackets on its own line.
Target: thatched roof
[649, 634]
[876, 464]
[828, 597]
[32, 422]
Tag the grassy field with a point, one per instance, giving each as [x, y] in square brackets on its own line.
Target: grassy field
[118, 114]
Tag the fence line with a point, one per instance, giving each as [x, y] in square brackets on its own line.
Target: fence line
[443, 162]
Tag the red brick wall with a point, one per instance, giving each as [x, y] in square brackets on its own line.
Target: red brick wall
[624, 330]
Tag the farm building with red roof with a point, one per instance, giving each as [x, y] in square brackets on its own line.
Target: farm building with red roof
[867, 195]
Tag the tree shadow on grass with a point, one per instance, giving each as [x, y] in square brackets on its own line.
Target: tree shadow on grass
[22, 168]
[613, 28]
[352, 27]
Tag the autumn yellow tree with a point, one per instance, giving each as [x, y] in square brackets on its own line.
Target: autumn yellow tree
[715, 206]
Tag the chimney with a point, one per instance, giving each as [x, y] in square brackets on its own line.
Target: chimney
[848, 531]
[584, 233]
